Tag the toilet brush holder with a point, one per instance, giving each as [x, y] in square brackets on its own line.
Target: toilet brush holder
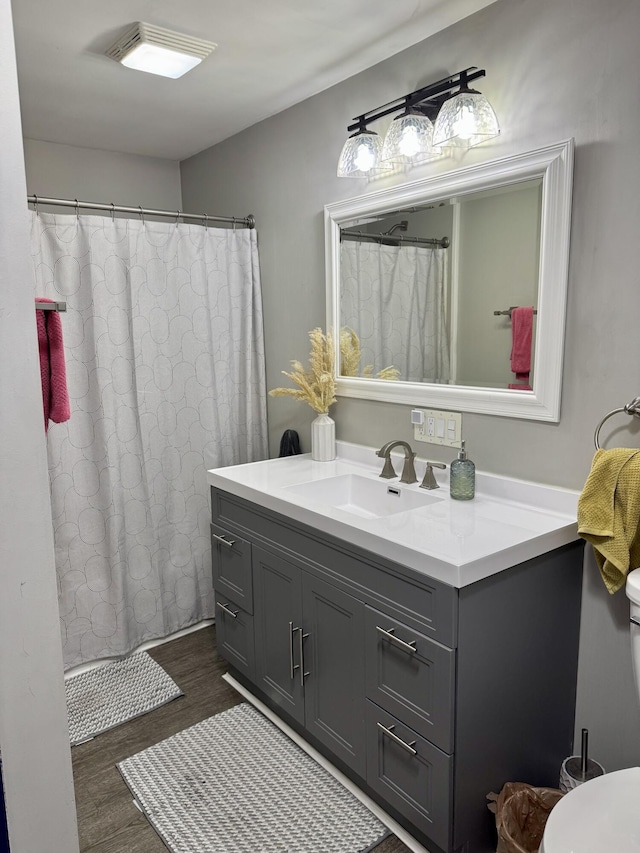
[579, 768]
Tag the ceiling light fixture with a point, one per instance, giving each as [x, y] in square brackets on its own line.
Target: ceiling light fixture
[467, 119]
[146, 47]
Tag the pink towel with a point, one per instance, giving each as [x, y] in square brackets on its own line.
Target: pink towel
[521, 332]
[53, 374]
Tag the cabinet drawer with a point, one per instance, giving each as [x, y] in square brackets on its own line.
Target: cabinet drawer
[234, 635]
[231, 561]
[410, 676]
[411, 774]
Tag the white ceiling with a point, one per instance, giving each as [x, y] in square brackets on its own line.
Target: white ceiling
[271, 54]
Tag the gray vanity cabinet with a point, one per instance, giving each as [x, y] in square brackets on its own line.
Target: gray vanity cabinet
[309, 650]
[427, 696]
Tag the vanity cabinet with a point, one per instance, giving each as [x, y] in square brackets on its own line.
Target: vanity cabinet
[428, 696]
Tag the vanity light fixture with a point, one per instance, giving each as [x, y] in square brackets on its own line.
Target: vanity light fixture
[156, 50]
[412, 137]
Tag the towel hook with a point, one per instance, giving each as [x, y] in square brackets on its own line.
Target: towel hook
[632, 408]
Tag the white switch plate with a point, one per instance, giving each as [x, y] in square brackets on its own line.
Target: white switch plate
[435, 422]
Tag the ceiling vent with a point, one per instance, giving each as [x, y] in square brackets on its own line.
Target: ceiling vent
[146, 47]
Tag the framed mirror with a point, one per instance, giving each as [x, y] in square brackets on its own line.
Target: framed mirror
[423, 280]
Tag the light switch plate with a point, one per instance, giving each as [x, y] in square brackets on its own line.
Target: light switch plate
[438, 427]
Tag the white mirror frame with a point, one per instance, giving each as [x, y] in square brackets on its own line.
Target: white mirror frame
[554, 164]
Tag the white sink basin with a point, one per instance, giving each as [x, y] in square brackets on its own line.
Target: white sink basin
[363, 496]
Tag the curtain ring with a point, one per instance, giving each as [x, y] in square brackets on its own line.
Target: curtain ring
[113, 212]
[234, 222]
[206, 224]
[35, 204]
[140, 214]
[177, 217]
[77, 206]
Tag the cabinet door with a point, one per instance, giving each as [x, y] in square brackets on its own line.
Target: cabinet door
[333, 659]
[278, 630]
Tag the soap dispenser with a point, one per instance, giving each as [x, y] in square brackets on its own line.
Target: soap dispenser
[463, 477]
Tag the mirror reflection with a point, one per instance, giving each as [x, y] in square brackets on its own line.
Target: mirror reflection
[428, 292]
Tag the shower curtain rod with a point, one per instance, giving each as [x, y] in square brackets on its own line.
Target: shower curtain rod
[444, 242]
[244, 222]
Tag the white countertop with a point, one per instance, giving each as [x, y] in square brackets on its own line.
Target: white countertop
[457, 542]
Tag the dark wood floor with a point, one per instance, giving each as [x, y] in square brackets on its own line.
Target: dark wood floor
[108, 821]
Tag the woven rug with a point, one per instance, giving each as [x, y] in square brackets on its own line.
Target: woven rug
[106, 697]
[234, 783]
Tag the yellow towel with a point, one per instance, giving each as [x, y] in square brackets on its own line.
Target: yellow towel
[609, 513]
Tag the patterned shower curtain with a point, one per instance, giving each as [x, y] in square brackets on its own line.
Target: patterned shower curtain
[394, 298]
[165, 367]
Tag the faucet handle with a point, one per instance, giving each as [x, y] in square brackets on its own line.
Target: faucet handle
[429, 481]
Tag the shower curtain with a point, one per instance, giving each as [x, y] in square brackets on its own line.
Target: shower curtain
[165, 368]
[394, 298]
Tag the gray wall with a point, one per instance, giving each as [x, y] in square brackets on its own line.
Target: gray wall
[90, 174]
[555, 69]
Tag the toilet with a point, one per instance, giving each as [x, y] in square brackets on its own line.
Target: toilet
[602, 815]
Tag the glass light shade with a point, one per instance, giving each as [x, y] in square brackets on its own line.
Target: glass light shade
[160, 60]
[409, 140]
[360, 156]
[465, 120]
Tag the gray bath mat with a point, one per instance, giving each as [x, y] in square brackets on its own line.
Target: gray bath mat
[234, 783]
[108, 696]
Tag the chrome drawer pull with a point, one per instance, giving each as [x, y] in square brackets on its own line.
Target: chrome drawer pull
[410, 646]
[228, 542]
[228, 610]
[292, 667]
[635, 620]
[390, 733]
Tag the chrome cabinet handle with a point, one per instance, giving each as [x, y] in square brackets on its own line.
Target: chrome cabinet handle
[228, 542]
[226, 609]
[292, 666]
[388, 633]
[301, 638]
[390, 733]
[635, 620]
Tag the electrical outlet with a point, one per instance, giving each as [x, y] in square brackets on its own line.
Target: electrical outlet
[437, 427]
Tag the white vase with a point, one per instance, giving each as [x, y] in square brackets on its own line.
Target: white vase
[323, 438]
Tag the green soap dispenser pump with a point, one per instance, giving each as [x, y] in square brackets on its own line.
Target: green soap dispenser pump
[462, 484]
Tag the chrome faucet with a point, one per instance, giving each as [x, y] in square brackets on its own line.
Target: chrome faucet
[408, 470]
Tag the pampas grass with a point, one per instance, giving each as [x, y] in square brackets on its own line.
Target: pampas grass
[316, 385]
[350, 355]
